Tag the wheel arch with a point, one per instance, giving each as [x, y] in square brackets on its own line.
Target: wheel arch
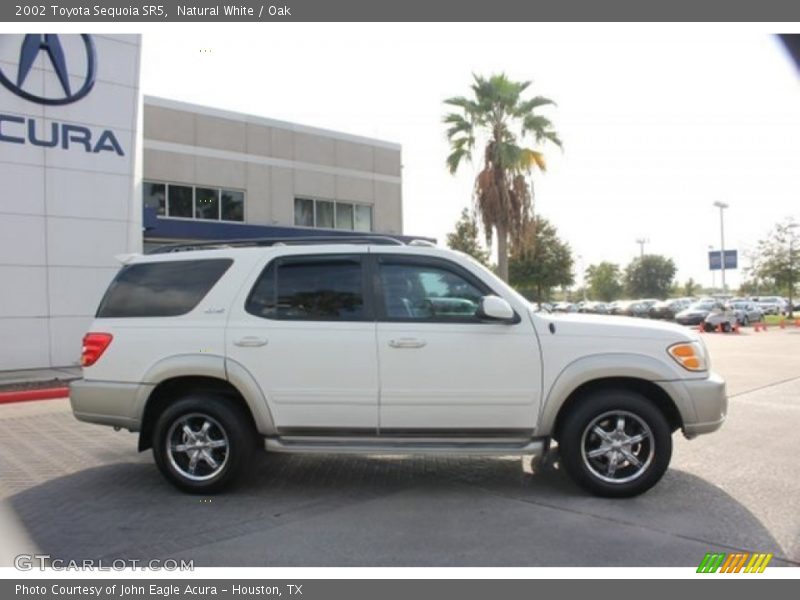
[614, 371]
[650, 390]
[174, 388]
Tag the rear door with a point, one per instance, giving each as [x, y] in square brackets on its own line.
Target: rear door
[305, 330]
[443, 369]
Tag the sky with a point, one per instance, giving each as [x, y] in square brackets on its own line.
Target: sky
[658, 121]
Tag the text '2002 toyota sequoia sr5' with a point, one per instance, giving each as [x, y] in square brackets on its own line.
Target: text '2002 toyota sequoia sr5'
[373, 346]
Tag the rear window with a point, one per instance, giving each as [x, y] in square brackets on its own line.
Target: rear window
[161, 289]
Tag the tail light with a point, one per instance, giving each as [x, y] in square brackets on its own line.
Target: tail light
[94, 344]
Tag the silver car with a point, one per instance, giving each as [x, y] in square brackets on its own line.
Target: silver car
[747, 312]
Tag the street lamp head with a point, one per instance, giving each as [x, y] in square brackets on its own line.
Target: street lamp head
[719, 204]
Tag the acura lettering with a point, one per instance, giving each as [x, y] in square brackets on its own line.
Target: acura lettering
[21, 130]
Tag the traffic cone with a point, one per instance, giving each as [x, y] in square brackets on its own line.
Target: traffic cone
[797, 322]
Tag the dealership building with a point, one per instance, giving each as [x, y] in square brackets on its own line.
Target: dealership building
[93, 170]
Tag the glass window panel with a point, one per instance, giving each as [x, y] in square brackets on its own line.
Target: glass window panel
[303, 212]
[344, 216]
[232, 205]
[180, 201]
[324, 214]
[327, 289]
[363, 217]
[155, 196]
[161, 289]
[421, 292]
[206, 203]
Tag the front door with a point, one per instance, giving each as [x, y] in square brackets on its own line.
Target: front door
[442, 368]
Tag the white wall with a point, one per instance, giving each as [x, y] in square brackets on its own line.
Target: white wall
[65, 212]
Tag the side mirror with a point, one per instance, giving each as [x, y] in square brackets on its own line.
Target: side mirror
[496, 309]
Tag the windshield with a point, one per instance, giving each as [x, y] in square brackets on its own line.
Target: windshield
[702, 306]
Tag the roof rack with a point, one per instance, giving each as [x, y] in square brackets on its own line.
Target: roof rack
[276, 241]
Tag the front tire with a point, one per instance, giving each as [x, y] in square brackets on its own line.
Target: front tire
[615, 443]
[201, 443]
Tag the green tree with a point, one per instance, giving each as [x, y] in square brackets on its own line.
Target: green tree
[690, 287]
[649, 276]
[541, 261]
[777, 259]
[465, 238]
[604, 281]
[497, 112]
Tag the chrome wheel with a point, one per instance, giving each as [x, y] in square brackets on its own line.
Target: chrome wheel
[197, 447]
[617, 446]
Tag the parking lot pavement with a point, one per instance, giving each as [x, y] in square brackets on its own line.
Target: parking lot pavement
[82, 491]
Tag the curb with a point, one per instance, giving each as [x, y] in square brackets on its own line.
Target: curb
[28, 395]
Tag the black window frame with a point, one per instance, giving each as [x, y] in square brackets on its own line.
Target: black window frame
[430, 262]
[368, 312]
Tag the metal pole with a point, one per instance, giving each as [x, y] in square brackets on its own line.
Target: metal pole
[641, 242]
[713, 273]
[791, 273]
[722, 206]
[791, 228]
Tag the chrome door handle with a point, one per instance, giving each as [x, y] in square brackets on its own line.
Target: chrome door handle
[407, 343]
[251, 341]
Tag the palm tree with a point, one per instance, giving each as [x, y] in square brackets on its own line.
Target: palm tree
[497, 112]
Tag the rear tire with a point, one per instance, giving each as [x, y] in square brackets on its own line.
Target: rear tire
[201, 443]
[615, 443]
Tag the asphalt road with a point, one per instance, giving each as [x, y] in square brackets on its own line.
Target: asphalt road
[82, 491]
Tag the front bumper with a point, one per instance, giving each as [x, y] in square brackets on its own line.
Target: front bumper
[107, 403]
[710, 402]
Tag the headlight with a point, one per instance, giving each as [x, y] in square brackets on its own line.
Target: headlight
[690, 355]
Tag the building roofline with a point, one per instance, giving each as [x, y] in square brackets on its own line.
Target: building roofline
[248, 118]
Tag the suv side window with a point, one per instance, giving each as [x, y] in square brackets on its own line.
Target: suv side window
[430, 291]
[310, 288]
[161, 289]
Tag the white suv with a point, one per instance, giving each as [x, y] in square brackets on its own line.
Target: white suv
[373, 346]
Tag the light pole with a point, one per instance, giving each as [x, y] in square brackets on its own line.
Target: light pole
[641, 242]
[583, 275]
[722, 206]
[791, 227]
[713, 273]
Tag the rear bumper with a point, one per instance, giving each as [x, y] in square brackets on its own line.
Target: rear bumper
[107, 403]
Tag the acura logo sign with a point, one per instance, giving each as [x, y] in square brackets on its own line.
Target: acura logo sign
[32, 46]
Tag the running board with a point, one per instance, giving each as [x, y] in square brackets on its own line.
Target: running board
[400, 446]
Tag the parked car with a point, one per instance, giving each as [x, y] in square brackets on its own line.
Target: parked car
[721, 316]
[667, 309]
[747, 312]
[772, 305]
[620, 307]
[597, 308]
[349, 346]
[565, 307]
[640, 308]
[695, 313]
